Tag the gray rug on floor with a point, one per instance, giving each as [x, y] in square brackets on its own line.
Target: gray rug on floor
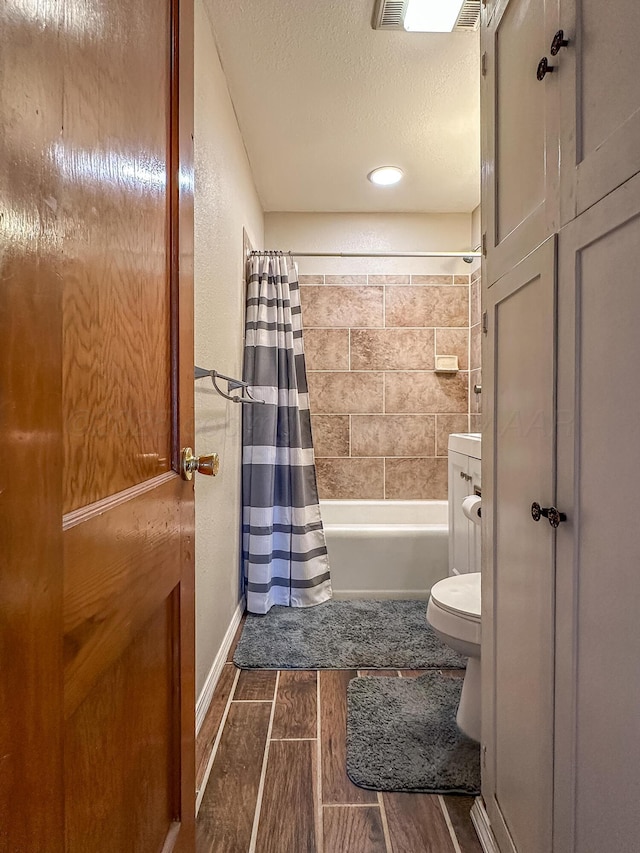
[344, 635]
[402, 736]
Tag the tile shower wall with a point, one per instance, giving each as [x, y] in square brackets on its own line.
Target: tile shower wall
[381, 416]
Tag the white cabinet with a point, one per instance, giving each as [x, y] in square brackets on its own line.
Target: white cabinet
[518, 566]
[554, 147]
[475, 540]
[597, 634]
[560, 636]
[520, 127]
[464, 479]
[599, 106]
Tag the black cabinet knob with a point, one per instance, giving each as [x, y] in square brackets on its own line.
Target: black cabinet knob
[544, 68]
[537, 511]
[554, 516]
[558, 41]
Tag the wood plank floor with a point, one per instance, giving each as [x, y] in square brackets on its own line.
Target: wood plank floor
[278, 782]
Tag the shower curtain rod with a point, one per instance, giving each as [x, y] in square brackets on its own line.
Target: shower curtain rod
[372, 254]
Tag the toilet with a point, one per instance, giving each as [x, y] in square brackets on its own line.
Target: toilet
[454, 604]
[454, 614]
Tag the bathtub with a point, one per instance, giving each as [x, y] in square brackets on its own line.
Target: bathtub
[386, 549]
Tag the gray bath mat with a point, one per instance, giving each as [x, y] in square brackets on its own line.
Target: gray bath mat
[402, 736]
[344, 635]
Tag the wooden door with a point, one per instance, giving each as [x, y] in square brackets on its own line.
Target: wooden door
[518, 448]
[600, 100]
[519, 133]
[598, 549]
[97, 375]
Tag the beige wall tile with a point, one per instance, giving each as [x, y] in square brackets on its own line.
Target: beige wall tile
[326, 349]
[454, 342]
[475, 423]
[345, 393]
[377, 404]
[330, 435]
[350, 479]
[476, 347]
[476, 274]
[345, 279]
[475, 303]
[392, 435]
[426, 392]
[392, 349]
[445, 425]
[431, 279]
[389, 279]
[327, 306]
[416, 479]
[427, 306]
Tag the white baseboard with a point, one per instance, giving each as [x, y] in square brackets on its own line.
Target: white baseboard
[206, 695]
[397, 594]
[480, 820]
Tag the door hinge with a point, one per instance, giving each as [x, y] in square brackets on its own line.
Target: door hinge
[484, 244]
[483, 64]
[485, 322]
[484, 755]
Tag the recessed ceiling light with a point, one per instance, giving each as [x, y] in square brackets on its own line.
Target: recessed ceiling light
[429, 16]
[384, 176]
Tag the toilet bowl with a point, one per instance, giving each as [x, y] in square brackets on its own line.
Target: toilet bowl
[454, 614]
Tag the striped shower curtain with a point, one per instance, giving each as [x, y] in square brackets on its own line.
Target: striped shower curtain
[284, 551]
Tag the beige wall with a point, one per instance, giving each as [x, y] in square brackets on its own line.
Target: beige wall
[369, 232]
[225, 202]
[476, 228]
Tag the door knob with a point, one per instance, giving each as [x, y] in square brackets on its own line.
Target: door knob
[549, 512]
[558, 41]
[544, 68]
[209, 464]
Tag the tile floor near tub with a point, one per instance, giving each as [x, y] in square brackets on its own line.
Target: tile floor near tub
[278, 781]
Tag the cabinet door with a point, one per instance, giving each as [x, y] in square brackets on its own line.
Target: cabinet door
[518, 565]
[475, 467]
[459, 489]
[520, 128]
[600, 100]
[598, 549]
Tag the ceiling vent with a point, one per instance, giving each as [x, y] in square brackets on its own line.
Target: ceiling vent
[390, 14]
[469, 16]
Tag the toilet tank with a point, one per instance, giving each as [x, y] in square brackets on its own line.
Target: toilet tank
[464, 480]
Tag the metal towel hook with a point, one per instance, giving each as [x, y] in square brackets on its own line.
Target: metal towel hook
[232, 385]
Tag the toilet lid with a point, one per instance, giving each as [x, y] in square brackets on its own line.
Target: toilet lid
[459, 594]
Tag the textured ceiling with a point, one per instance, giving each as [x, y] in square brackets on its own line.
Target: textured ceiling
[322, 99]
